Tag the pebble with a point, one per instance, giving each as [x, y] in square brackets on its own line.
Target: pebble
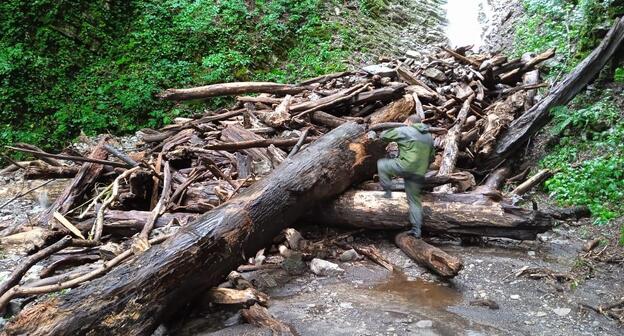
[515, 297]
[562, 311]
[379, 69]
[424, 324]
[540, 314]
[349, 255]
[324, 267]
[413, 54]
[531, 253]
[434, 74]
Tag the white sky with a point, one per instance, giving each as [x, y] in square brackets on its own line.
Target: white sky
[463, 22]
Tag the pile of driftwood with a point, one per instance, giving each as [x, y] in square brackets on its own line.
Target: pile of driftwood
[216, 189]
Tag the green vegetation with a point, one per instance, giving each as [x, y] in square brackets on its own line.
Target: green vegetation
[94, 66]
[572, 27]
[589, 157]
[590, 154]
[618, 76]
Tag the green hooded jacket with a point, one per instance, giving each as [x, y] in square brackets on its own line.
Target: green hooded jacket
[415, 147]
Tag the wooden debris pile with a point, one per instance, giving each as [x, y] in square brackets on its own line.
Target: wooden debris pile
[121, 203]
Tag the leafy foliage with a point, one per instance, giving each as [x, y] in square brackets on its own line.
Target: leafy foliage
[94, 66]
[570, 26]
[373, 7]
[589, 158]
[618, 76]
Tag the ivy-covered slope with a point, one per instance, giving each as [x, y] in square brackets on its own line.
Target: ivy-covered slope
[75, 65]
[585, 138]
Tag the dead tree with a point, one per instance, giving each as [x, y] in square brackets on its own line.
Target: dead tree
[461, 214]
[134, 298]
[521, 129]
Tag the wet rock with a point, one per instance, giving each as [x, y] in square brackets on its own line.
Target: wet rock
[349, 255]
[293, 237]
[294, 264]
[435, 74]
[485, 303]
[324, 267]
[380, 69]
[424, 324]
[562, 311]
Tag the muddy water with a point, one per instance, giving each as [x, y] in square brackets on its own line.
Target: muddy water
[419, 292]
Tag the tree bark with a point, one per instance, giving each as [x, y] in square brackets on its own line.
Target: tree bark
[133, 298]
[50, 172]
[86, 176]
[429, 256]
[461, 214]
[521, 129]
[229, 89]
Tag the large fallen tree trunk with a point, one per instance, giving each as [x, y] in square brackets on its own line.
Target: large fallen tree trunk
[466, 214]
[135, 297]
[521, 129]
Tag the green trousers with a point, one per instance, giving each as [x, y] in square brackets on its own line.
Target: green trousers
[389, 168]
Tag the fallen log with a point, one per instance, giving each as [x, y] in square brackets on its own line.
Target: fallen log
[460, 214]
[41, 155]
[85, 177]
[50, 172]
[451, 147]
[48, 160]
[260, 317]
[229, 296]
[398, 110]
[229, 89]
[231, 146]
[429, 256]
[522, 128]
[326, 119]
[536, 179]
[135, 297]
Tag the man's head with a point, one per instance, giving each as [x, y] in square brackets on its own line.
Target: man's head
[413, 119]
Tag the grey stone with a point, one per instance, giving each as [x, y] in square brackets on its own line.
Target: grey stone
[434, 74]
[294, 264]
[324, 267]
[380, 69]
[349, 255]
[562, 311]
[423, 324]
[413, 54]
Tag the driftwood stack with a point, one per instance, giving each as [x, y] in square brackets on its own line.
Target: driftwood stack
[217, 188]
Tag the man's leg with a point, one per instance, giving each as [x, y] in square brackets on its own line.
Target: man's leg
[413, 186]
[387, 169]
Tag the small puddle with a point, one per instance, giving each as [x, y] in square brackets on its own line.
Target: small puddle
[419, 292]
[464, 22]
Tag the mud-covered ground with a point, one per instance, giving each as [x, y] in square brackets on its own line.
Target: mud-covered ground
[369, 300]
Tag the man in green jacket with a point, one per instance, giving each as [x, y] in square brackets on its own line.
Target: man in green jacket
[415, 152]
